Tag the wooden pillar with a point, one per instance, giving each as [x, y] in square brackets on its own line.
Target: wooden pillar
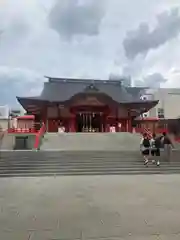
[129, 122]
[127, 126]
[117, 126]
[105, 123]
[117, 121]
[123, 125]
[45, 117]
[72, 124]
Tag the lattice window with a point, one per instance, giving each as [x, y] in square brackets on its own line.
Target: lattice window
[160, 113]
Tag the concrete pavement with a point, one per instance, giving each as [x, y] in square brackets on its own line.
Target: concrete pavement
[90, 207]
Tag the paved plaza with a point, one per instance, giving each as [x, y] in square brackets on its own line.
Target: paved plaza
[92, 207]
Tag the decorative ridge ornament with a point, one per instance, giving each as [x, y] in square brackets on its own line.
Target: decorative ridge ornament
[91, 88]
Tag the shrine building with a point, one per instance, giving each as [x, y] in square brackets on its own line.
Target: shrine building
[85, 105]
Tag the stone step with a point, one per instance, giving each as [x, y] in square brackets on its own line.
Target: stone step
[78, 156]
[95, 168]
[87, 162]
[74, 153]
[52, 163]
[45, 174]
[88, 169]
[77, 168]
[76, 159]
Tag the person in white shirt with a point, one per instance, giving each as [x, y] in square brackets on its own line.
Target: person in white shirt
[155, 143]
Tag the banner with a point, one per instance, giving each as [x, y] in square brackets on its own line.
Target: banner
[4, 112]
[52, 112]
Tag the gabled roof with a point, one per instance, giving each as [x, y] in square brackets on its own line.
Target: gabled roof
[136, 92]
[60, 90]
[63, 89]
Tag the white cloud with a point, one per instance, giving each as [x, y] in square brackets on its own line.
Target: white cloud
[174, 78]
[18, 81]
[29, 47]
[142, 40]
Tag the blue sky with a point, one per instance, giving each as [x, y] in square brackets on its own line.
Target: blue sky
[89, 39]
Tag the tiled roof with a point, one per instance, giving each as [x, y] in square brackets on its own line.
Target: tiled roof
[62, 89]
[59, 90]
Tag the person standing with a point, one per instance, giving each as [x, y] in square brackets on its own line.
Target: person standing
[145, 147]
[2, 133]
[167, 143]
[155, 143]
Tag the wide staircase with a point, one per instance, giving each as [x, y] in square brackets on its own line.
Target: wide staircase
[84, 154]
[54, 163]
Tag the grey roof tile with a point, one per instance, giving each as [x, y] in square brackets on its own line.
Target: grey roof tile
[59, 90]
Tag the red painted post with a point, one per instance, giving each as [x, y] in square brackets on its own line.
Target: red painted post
[72, 123]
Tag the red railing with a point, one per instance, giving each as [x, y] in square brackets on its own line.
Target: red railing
[22, 130]
[39, 134]
[157, 131]
[148, 132]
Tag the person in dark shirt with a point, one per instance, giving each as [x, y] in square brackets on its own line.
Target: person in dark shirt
[144, 147]
[2, 133]
[167, 144]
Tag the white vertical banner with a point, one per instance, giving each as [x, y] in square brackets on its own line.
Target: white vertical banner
[4, 112]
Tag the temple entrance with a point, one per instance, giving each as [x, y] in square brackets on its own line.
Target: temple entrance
[89, 122]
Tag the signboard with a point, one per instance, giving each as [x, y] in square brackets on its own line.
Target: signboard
[89, 101]
[52, 112]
